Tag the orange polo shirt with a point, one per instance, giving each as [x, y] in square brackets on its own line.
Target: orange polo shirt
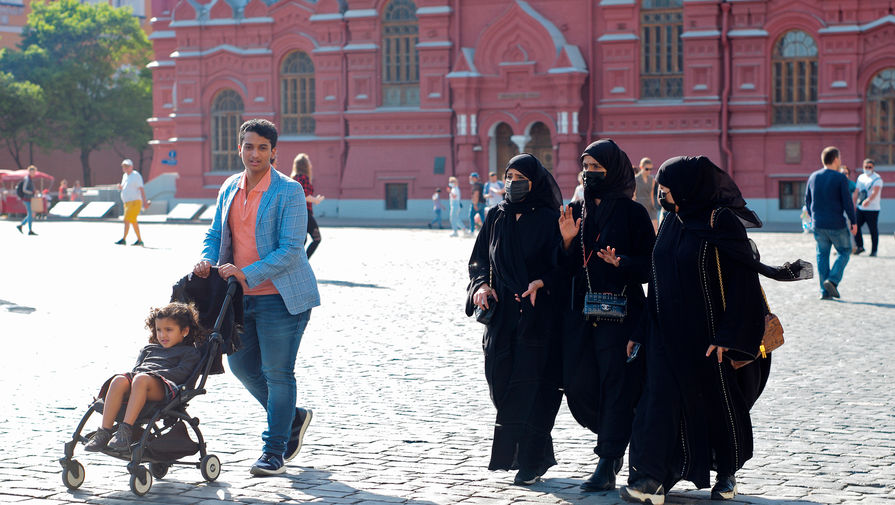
[242, 219]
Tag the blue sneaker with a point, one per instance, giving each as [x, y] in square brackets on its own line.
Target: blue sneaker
[300, 424]
[268, 464]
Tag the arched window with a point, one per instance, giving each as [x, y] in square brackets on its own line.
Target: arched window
[226, 117]
[540, 144]
[661, 49]
[400, 57]
[795, 79]
[880, 132]
[297, 94]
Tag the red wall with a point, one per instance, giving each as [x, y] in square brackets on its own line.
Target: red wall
[560, 62]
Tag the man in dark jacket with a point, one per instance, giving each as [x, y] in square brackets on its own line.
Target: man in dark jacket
[828, 202]
[27, 194]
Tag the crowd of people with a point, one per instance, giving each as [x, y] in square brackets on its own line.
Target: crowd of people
[671, 372]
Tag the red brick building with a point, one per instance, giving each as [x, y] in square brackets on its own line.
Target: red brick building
[390, 97]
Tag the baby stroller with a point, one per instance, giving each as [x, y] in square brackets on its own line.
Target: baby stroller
[160, 432]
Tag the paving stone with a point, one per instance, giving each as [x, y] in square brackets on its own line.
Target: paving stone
[393, 370]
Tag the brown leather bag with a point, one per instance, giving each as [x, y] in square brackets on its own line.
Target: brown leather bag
[772, 338]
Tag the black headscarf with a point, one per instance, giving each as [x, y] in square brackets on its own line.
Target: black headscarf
[544, 189]
[698, 188]
[505, 246]
[619, 183]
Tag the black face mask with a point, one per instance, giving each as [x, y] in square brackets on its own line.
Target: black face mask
[517, 190]
[668, 206]
[594, 183]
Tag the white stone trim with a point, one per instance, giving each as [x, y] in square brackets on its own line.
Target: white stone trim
[361, 13]
[368, 46]
[435, 43]
[325, 17]
[617, 37]
[700, 34]
[160, 63]
[220, 22]
[747, 32]
[434, 10]
[162, 34]
[223, 47]
[616, 2]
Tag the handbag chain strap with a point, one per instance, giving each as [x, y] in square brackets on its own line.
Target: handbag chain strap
[584, 257]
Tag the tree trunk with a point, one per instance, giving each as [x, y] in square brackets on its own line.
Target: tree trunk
[13, 147]
[85, 166]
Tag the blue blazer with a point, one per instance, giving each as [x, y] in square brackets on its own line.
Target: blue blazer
[280, 231]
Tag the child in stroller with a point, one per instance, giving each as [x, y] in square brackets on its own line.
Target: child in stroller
[167, 361]
[175, 370]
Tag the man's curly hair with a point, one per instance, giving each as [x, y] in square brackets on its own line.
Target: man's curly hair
[184, 315]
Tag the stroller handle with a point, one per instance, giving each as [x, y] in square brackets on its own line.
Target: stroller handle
[231, 290]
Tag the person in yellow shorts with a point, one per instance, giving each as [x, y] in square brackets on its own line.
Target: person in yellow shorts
[134, 198]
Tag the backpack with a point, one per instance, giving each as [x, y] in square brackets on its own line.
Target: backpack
[20, 189]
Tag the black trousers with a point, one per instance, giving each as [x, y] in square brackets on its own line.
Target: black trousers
[871, 217]
[314, 232]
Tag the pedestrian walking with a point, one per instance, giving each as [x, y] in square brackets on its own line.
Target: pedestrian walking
[301, 172]
[494, 190]
[25, 191]
[256, 236]
[163, 365]
[134, 197]
[829, 205]
[869, 188]
[853, 191]
[437, 208]
[62, 195]
[607, 242]
[646, 191]
[705, 309]
[454, 204]
[476, 201]
[77, 192]
[512, 276]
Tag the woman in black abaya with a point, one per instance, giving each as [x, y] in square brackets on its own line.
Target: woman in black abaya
[705, 308]
[513, 268]
[601, 388]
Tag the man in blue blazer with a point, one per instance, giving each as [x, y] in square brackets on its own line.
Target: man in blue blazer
[257, 236]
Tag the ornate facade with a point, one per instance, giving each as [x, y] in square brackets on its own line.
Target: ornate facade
[390, 97]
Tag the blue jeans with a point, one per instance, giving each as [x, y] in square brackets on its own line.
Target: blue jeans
[436, 219]
[265, 364]
[28, 216]
[841, 240]
[456, 224]
[472, 213]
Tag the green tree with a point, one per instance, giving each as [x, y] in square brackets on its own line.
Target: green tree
[132, 102]
[80, 55]
[22, 110]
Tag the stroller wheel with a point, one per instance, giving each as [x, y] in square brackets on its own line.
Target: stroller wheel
[73, 475]
[159, 470]
[210, 466]
[141, 481]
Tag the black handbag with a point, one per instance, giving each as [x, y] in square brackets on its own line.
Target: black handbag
[606, 306]
[602, 306]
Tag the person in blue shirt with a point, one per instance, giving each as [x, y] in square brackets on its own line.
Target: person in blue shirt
[829, 201]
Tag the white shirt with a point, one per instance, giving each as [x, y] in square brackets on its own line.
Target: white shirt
[130, 186]
[455, 197]
[867, 183]
[491, 193]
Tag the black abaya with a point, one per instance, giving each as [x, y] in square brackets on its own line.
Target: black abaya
[694, 413]
[521, 346]
[600, 387]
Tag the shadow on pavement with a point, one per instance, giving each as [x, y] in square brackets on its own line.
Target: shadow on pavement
[872, 304]
[19, 309]
[568, 491]
[349, 284]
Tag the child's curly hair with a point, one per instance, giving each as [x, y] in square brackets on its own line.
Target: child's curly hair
[185, 315]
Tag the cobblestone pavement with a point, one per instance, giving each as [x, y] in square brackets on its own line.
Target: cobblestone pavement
[393, 371]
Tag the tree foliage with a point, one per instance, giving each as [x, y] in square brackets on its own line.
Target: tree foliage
[86, 59]
[22, 111]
